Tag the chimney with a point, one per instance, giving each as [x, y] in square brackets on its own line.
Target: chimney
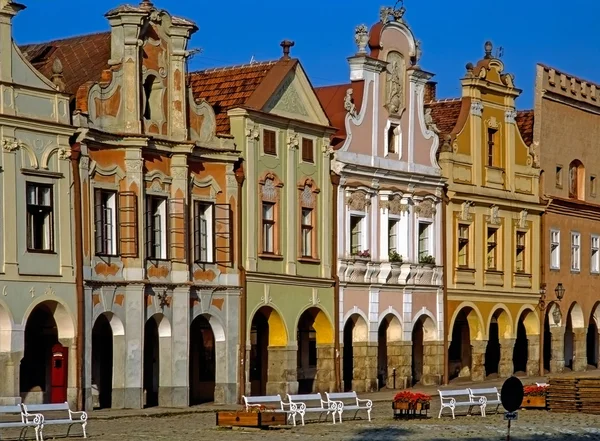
[286, 45]
[430, 91]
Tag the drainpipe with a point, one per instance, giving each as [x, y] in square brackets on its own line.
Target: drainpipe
[445, 267]
[240, 178]
[542, 284]
[335, 182]
[80, 383]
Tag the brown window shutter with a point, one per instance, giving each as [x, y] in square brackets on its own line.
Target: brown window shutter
[128, 234]
[177, 230]
[307, 150]
[269, 143]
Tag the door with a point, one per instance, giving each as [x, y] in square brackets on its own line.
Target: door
[58, 374]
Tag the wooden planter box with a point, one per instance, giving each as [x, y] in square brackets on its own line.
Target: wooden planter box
[408, 410]
[251, 419]
[533, 402]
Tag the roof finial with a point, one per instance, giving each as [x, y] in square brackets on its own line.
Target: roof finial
[286, 45]
[57, 75]
[488, 50]
[147, 5]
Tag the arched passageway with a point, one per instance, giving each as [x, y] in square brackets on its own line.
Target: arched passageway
[202, 361]
[151, 362]
[315, 352]
[102, 361]
[259, 354]
[388, 341]
[356, 335]
[521, 350]
[465, 330]
[547, 342]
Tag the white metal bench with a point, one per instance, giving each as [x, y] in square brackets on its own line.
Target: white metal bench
[272, 400]
[13, 417]
[451, 399]
[486, 397]
[313, 403]
[57, 414]
[348, 401]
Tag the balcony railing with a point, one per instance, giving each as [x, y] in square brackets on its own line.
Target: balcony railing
[363, 270]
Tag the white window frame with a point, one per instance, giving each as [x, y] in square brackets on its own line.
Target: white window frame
[595, 254]
[268, 240]
[554, 249]
[161, 212]
[394, 246]
[111, 225]
[575, 251]
[306, 232]
[397, 138]
[430, 238]
[363, 231]
[204, 211]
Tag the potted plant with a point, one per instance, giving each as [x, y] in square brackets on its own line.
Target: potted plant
[534, 397]
[394, 257]
[364, 255]
[408, 403]
[427, 260]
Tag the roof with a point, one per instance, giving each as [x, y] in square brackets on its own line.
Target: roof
[332, 101]
[445, 113]
[525, 119]
[83, 58]
[248, 86]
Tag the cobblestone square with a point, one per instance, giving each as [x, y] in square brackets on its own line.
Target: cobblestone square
[531, 425]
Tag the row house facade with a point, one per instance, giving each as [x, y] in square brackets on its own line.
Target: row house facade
[286, 243]
[389, 221]
[158, 203]
[492, 222]
[39, 352]
[566, 133]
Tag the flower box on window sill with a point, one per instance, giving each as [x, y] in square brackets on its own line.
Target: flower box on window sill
[309, 260]
[269, 256]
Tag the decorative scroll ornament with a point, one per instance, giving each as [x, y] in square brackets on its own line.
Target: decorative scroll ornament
[523, 219]
[510, 116]
[477, 108]
[389, 13]
[465, 211]
[493, 123]
[10, 145]
[358, 201]
[394, 205]
[252, 132]
[361, 38]
[269, 191]
[425, 209]
[349, 103]
[293, 141]
[64, 153]
[494, 217]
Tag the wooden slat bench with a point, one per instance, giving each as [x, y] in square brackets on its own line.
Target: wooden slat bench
[272, 400]
[451, 399]
[348, 401]
[312, 403]
[13, 417]
[485, 397]
[57, 414]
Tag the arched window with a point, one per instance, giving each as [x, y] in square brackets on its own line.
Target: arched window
[576, 180]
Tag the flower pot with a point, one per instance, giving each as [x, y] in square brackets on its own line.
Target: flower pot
[401, 405]
[534, 402]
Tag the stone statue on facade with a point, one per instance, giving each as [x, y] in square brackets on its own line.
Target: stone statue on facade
[392, 13]
[395, 83]
[429, 122]
[349, 103]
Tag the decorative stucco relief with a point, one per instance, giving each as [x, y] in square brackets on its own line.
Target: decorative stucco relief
[394, 205]
[426, 209]
[395, 83]
[494, 217]
[465, 211]
[358, 200]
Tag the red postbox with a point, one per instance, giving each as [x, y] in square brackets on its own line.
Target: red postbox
[58, 374]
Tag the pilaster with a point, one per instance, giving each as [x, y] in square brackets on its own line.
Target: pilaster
[478, 360]
[557, 358]
[433, 363]
[134, 162]
[364, 375]
[134, 331]
[325, 374]
[579, 350]
[505, 366]
[289, 218]
[282, 375]
[180, 310]
[179, 192]
[533, 355]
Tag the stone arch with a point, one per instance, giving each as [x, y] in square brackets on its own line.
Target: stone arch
[28, 151]
[394, 326]
[530, 319]
[389, 348]
[322, 324]
[466, 351]
[278, 332]
[108, 358]
[429, 326]
[215, 322]
[574, 339]
[474, 319]
[527, 335]
[355, 366]
[61, 314]
[593, 340]
[576, 315]
[157, 357]
[207, 338]
[504, 319]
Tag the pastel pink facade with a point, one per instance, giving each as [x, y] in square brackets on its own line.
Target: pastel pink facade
[390, 213]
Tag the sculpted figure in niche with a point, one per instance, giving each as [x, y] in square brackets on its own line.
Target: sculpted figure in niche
[395, 83]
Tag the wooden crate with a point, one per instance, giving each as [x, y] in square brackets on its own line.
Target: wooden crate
[251, 419]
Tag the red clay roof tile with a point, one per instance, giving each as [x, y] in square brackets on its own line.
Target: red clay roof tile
[332, 101]
[525, 120]
[445, 113]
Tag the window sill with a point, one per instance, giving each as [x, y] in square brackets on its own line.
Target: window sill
[575, 271]
[494, 271]
[102, 255]
[309, 260]
[555, 269]
[203, 263]
[595, 273]
[156, 260]
[268, 256]
[41, 251]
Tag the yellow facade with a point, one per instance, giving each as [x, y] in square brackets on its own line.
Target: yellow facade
[492, 227]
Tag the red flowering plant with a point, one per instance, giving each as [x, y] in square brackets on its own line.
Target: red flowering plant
[406, 396]
[259, 409]
[535, 391]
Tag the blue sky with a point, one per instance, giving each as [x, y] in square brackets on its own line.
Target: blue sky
[452, 33]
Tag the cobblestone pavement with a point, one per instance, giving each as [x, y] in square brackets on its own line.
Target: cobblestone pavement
[531, 425]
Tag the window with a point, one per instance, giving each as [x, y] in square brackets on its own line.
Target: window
[307, 150]
[392, 236]
[355, 234]
[491, 147]
[269, 142]
[393, 139]
[520, 252]
[106, 222]
[463, 245]
[595, 257]
[268, 226]
[576, 180]
[203, 232]
[423, 240]
[575, 252]
[554, 249]
[593, 186]
[39, 217]
[559, 179]
[307, 232]
[492, 248]
[156, 227]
